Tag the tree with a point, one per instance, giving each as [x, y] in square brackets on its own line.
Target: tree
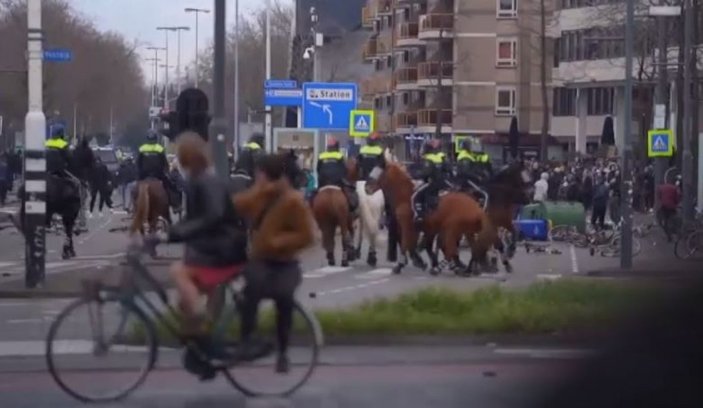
[103, 80]
[607, 136]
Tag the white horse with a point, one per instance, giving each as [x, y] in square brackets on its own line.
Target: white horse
[371, 207]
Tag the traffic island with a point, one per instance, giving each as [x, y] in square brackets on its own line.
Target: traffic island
[547, 310]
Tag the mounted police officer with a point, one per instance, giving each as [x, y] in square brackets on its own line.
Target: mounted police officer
[434, 175]
[370, 156]
[249, 155]
[152, 162]
[473, 169]
[58, 157]
[332, 170]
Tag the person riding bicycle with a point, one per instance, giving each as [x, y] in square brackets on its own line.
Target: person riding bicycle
[433, 174]
[370, 156]
[152, 163]
[332, 171]
[252, 151]
[281, 228]
[473, 169]
[215, 241]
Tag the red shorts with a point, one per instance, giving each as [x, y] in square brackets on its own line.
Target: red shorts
[208, 278]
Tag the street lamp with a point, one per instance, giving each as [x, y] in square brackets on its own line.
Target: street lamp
[177, 29]
[156, 60]
[197, 12]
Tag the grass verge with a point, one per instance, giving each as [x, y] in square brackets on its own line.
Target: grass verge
[541, 308]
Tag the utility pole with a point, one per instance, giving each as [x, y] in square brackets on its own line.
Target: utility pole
[218, 127]
[236, 142]
[626, 171]
[268, 121]
[197, 12]
[34, 199]
[440, 93]
[156, 61]
[688, 139]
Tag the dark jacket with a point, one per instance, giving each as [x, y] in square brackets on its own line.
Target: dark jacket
[127, 173]
[248, 157]
[212, 231]
[601, 193]
[331, 168]
[83, 161]
[152, 164]
[369, 157]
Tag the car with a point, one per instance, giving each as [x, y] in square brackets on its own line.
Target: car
[108, 156]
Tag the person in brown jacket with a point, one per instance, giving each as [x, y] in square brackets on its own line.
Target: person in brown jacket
[281, 228]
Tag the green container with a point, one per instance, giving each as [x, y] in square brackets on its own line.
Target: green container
[557, 213]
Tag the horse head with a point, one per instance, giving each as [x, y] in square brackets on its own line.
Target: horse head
[515, 178]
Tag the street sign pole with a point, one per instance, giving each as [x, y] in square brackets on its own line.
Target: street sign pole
[34, 199]
[218, 128]
[625, 173]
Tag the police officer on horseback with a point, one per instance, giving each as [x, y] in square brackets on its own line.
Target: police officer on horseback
[434, 175]
[370, 156]
[152, 163]
[58, 157]
[473, 169]
[332, 170]
[249, 155]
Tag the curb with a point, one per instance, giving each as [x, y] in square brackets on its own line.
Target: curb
[39, 294]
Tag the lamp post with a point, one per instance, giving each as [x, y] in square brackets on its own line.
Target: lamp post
[156, 61]
[178, 30]
[197, 12]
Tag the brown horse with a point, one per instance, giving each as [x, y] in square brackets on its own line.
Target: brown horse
[331, 211]
[457, 215]
[151, 203]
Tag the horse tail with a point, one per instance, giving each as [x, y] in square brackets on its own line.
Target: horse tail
[141, 211]
[367, 217]
[487, 234]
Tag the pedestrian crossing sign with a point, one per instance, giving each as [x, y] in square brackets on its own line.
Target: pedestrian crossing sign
[361, 123]
[660, 143]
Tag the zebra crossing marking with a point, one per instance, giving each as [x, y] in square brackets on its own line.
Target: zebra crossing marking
[326, 271]
[375, 273]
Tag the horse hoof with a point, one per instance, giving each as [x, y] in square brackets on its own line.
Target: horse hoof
[508, 267]
[331, 262]
[419, 263]
[435, 271]
[397, 269]
[371, 259]
[65, 254]
[345, 263]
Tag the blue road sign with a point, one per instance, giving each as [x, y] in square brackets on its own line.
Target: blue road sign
[328, 105]
[58, 55]
[283, 97]
[280, 84]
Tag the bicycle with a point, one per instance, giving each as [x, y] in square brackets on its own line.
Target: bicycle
[690, 240]
[131, 300]
[609, 243]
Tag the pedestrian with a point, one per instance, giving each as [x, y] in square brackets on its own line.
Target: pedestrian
[541, 188]
[669, 199]
[601, 195]
[127, 180]
[587, 192]
[281, 226]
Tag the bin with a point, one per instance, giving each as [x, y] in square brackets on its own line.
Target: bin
[557, 213]
[536, 230]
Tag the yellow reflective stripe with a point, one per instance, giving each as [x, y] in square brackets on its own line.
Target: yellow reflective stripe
[331, 155]
[151, 148]
[464, 155]
[483, 158]
[371, 150]
[252, 146]
[56, 144]
[436, 158]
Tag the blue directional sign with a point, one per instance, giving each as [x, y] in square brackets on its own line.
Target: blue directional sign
[280, 84]
[58, 55]
[328, 105]
[660, 143]
[283, 97]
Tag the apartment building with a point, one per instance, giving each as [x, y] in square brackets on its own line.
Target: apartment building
[455, 67]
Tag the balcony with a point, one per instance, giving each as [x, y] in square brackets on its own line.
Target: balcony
[436, 26]
[367, 17]
[405, 79]
[370, 49]
[405, 122]
[384, 7]
[427, 120]
[428, 73]
[407, 36]
[375, 85]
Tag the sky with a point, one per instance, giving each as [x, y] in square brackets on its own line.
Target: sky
[138, 19]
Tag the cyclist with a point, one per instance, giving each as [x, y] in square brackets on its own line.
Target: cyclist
[214, 236]
[281, 229]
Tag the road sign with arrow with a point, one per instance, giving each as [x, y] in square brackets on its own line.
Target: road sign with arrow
[328, 105]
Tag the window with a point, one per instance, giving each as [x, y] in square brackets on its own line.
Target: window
[377, 65]
[600, 101]
[505, 101]
[377, 103]
[406, 56]
[557, 44]
[389, 101]
[506, 52]
[506, 8]
[564, 102]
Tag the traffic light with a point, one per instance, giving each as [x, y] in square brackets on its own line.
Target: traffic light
[192, 113]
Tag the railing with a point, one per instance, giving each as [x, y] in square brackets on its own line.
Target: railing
[371, 48]
[367, 16]
[428, 117]
[405, 119]
[405, 75]
[437, 22]
[431, 70]
[407, 31]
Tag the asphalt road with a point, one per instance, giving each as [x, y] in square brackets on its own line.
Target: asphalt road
[480, 376]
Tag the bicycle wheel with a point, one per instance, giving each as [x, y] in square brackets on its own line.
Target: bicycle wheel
[259, 378]
[132, 332]
[560, 233]
[687, 245]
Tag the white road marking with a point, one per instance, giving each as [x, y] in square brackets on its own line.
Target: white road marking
[375, 273]
[574, 260]
[27, 321]
[38, 348]
[326, 271]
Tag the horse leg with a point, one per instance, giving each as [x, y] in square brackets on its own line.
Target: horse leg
[450, 248]
[430, 238]
[328, 244]
[371, 259]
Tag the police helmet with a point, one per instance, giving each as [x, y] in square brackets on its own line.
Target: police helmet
[332, 144]
[58, 131]
[152, 137]
[374, 139]
[466, 144]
